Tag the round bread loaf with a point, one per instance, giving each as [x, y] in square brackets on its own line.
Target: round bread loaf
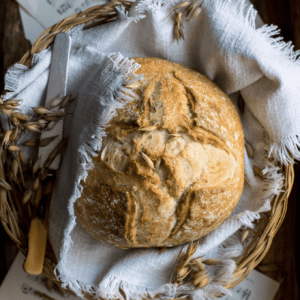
[171, 168]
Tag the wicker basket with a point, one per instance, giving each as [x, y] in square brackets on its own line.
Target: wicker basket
[15, 219]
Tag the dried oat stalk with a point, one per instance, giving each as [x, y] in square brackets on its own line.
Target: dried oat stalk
[56, 101]
[247, 181]
[5, 184]
[258, 172]
[157, 163]
[194, 271]
[152, 104]
[104, 152]
[187, 9]
[173, 139]
[184, 269]
[178, 6]
[193, 13]
[31, 142]
[66, 101]
[178, 33]
[36, 166]
[211, 262]
[134, 84]
[23, 157]
[249, 150]
[41, 110]
[27, 196]
[241, 104]
[245, 234]
[149, 128]
[55, 152]
[188, 137]
[46, 141]
[20, 126]
[148, 160]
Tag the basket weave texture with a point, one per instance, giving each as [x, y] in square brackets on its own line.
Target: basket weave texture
[15, 216]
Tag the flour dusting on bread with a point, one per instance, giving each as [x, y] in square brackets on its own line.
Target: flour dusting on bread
[171, 167]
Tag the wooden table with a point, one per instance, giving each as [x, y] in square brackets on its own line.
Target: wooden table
[280, 262]
[12, 47]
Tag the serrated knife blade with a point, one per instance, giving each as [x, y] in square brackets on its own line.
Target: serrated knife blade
[57, 86]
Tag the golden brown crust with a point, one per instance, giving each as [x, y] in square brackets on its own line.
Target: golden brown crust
[200, 145]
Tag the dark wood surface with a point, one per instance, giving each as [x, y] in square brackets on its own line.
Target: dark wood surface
[12, 47]
[280, 261]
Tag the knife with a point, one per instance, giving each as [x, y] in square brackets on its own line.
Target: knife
[57, 86]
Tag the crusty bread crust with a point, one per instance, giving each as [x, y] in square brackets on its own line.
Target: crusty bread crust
[199, 141]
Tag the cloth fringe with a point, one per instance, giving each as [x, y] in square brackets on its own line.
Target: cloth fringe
[75, 30]
[157, 5]
[273, 178]
[12, 76]
[270, 33]
[111, 288]
[232, 247]
[169, 291]
[149, 6]
[286, 150]
[238, 10]
[125, 68]
[124, 15]
[37, 57]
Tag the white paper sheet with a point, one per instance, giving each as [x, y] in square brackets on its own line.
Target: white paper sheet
[256, 286]
[18, 285]
[32, 28]
[49, 12]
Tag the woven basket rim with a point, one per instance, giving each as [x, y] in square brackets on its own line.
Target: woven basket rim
[264, 231]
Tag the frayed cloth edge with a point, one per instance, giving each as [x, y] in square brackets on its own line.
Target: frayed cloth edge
[271, 34]
[286, 150]
[12, 76]
[126, 68]
[124, 15]
[166, 291]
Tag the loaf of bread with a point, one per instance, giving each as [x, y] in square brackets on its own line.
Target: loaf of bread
[171, 168]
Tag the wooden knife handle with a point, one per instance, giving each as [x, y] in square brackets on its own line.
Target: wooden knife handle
[37, 240]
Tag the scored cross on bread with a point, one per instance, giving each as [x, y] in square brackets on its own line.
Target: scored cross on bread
[171, 168]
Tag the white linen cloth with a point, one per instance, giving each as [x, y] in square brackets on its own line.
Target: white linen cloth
[221, 43]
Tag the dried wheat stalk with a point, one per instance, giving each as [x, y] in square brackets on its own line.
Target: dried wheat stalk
[187, 9]
[148, 160]
[194, 271]
[20, 126]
